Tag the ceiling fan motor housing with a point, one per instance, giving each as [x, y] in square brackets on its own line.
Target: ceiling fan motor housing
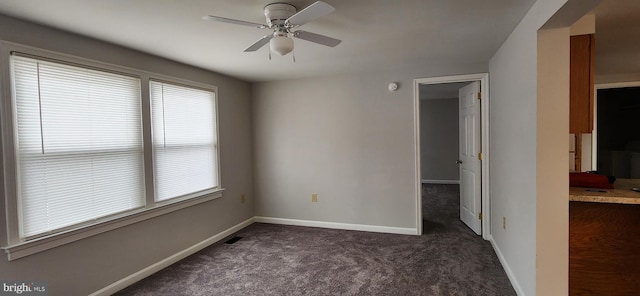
[278, 13]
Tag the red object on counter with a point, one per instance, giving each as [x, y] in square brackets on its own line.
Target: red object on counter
[589, 180]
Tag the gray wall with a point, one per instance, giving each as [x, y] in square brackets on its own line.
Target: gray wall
[84, 266]
[515, 160]
[344, 137]
[513, 136]
[439, 139]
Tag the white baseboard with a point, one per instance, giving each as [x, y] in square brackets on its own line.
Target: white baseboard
[151, 269]
[333, 225]
[429, 181]
[507, 270]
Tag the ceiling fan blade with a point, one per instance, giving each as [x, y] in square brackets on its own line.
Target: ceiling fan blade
[309, 13]
[260, 43]
[233, 21]
[317, 38]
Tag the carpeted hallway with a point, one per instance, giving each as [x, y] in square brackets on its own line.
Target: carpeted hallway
[449, 259]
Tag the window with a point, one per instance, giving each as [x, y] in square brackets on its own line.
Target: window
[91, 150]
[184, 139]
[79, 140]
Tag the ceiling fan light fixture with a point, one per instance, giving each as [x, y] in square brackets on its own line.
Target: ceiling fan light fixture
[281, 45]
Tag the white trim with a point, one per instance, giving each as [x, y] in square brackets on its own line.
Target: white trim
[61, 238]
[9, 46]
[594, 133]
[334, 225]
[486, 199]
[617, 85]
[417, 166]
[507, 269]
[430, 181]
[153, 268]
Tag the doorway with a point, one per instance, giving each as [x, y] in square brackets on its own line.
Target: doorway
[607, 159]
[619, 105]
[480, 209]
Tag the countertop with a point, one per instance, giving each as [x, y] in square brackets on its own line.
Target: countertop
[622, 194]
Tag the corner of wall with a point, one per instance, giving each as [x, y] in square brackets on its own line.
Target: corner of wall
[552, 207]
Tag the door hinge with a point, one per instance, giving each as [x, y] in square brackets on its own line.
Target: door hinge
[480, 156]
[480, 216]
[479, 95]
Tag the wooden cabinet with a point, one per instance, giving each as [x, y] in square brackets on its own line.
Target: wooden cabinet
[582, 83]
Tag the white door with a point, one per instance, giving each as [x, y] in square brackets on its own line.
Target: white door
[469, 161]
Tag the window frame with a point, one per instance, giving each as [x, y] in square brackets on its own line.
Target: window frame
[48, 153]
[17, 247]
[216, 144]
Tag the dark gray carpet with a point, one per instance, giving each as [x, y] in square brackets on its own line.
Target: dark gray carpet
[449, 259]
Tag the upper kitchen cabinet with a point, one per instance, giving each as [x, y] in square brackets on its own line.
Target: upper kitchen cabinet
[582, 82]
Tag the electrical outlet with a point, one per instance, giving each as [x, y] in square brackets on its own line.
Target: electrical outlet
[504, 223]
[242, 199]
[314, 197]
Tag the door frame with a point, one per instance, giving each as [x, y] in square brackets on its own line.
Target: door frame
[484, 130]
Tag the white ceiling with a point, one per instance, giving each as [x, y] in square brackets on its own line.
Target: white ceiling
[617, 38]
[376, 34]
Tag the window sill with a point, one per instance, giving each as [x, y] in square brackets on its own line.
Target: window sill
[34, 246]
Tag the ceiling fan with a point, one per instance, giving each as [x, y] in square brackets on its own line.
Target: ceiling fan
[282, 18]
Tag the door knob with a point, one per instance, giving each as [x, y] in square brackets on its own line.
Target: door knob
[459, 161]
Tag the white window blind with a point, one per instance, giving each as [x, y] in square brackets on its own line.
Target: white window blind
[184, 139]
[79, 144]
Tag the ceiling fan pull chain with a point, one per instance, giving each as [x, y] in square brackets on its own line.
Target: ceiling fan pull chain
[293, 54]
[269, 54]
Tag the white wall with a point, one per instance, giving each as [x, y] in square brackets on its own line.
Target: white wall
[587, 153]
[346, 138]
[513, 71]
[533, 247]
[439, 139]
[85, 266]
